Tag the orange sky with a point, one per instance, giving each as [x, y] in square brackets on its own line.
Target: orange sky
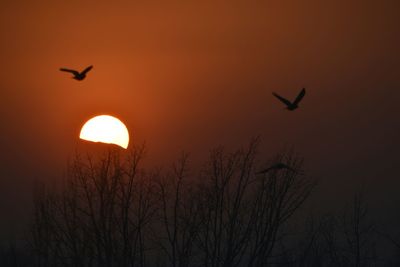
[190, 76]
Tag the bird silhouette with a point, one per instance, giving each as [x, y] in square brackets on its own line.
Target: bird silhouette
[277, 166]
[79, 76]
[292, 105]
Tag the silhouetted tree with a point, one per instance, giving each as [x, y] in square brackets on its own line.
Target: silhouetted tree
[359, 233]
[179, 213]
[244, 212]
[110, 212]
[346, 239]
[99, 218]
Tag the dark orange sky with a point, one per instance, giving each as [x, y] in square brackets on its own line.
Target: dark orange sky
[191, 76]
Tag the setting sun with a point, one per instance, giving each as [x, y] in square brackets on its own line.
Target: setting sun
[105, 129]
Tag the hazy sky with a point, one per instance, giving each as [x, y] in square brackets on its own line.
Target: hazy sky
[191, 75]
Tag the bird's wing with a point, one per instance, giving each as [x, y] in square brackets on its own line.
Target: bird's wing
[264, 171]
[71, 71]
[87, 69]
[279, 165]
[284, 100]
[288, 167]
[300, 96]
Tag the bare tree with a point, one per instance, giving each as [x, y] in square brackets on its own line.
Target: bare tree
[279, 195]
[346, 239]
[111, 212]
[179, 214]
[100, 216]
[358, 232]
[244, 213]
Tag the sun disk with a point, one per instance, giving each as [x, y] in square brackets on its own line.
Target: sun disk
[105, 129]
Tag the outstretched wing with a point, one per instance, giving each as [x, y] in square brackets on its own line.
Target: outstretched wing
[87, 69]
[264, 171]
[300, 96]
[277, 166]
[69, 70]
[284, 100]
[284, 166]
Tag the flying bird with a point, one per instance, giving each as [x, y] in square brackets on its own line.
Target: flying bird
[79, 76]
[292, 105]
[277, 166]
